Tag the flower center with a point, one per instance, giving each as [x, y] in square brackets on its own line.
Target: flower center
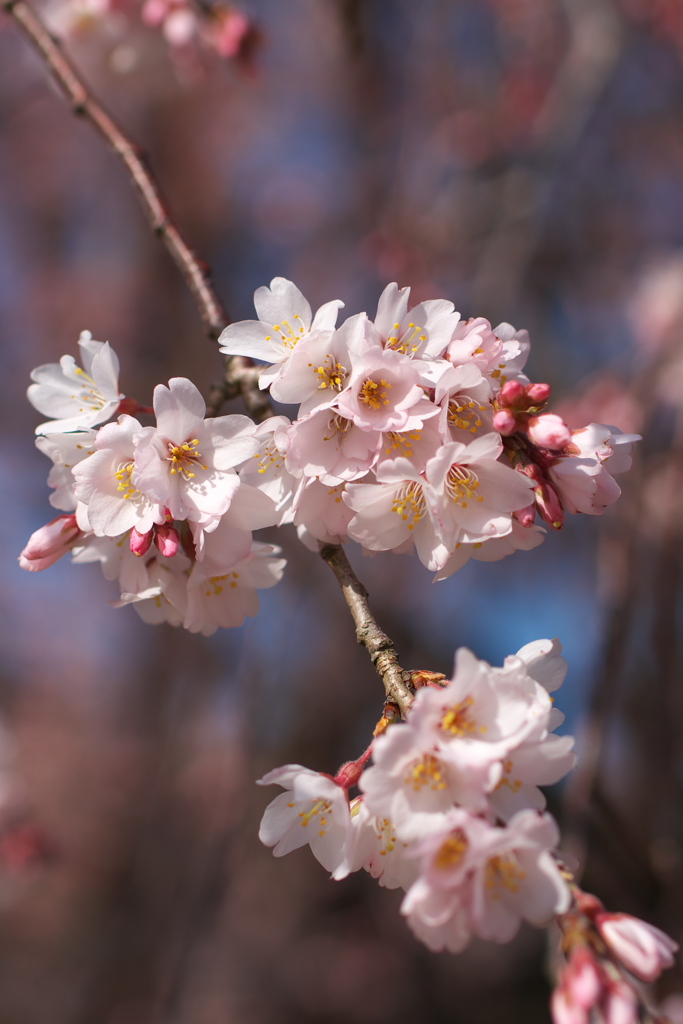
[185, 458]
[463, 413]
[290, 336]
[402, 444]
[462, 485]
[89, 393]
[269, 457]
[503, 872]
[458, 721]
[215, 583]
[387, 837]
[374, 393]
[337, 427]
[409, 504]
[514, 784]
[322, 811]
[452, 851]
[406, 343]
[331, 374]
[123, 475]
[427, 772]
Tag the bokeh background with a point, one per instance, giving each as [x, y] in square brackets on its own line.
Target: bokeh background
[523, 158]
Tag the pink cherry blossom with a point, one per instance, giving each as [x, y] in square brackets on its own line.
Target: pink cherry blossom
[187, 463]
[472, 493]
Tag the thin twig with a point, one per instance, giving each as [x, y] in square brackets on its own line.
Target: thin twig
[378, 645]
[240, 376]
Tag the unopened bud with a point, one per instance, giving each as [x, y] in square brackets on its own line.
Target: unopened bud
[643, 949]
[525, 516]
[140, 542]
[538, 393]
[549, 431]
[505, 422]
[349, 773]
[47, 545]
[511, 393]
[549, 505]
[167, 539]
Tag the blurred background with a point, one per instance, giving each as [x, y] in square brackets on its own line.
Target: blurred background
[523, 158]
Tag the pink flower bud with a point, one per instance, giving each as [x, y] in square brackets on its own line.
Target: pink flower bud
[525, 516]
[235, 27]
[549, 505]
[140, 542]
[167, 539]
[538, 393]
[349, 773]
[47, 545]
[505, 422]
[583, 979]
[621, 1006]
[511, 393]
[549, 431]
[565, 1012]
[642, 949]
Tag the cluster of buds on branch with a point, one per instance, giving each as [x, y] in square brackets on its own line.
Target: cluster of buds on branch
[604, 954]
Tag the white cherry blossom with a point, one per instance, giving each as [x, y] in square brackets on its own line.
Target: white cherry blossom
[106, 482]
[226, 598]
[77, 397]
[284, 321]
[314, 810]
[187, 464]
[65, 450]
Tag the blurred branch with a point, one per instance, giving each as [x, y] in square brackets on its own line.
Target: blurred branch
[595, 45]
[378, 645]
[241, 376]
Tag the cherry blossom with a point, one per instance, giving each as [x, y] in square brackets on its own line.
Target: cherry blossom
[77, 397]
[284, 321]
[187, 463]
[314, 810]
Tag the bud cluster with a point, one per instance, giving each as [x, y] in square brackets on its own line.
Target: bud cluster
[604, 953]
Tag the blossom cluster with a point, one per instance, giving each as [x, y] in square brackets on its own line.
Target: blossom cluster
[416, 430]
[451, 809]
[185, 27]
[162, 508]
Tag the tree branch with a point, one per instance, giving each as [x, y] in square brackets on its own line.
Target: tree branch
[241, 376]
[378, 645]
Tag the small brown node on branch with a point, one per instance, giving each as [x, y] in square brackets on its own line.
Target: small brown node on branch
[391, 713]
[423, 677]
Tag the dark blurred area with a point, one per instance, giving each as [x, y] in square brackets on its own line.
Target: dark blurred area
[523, 158]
